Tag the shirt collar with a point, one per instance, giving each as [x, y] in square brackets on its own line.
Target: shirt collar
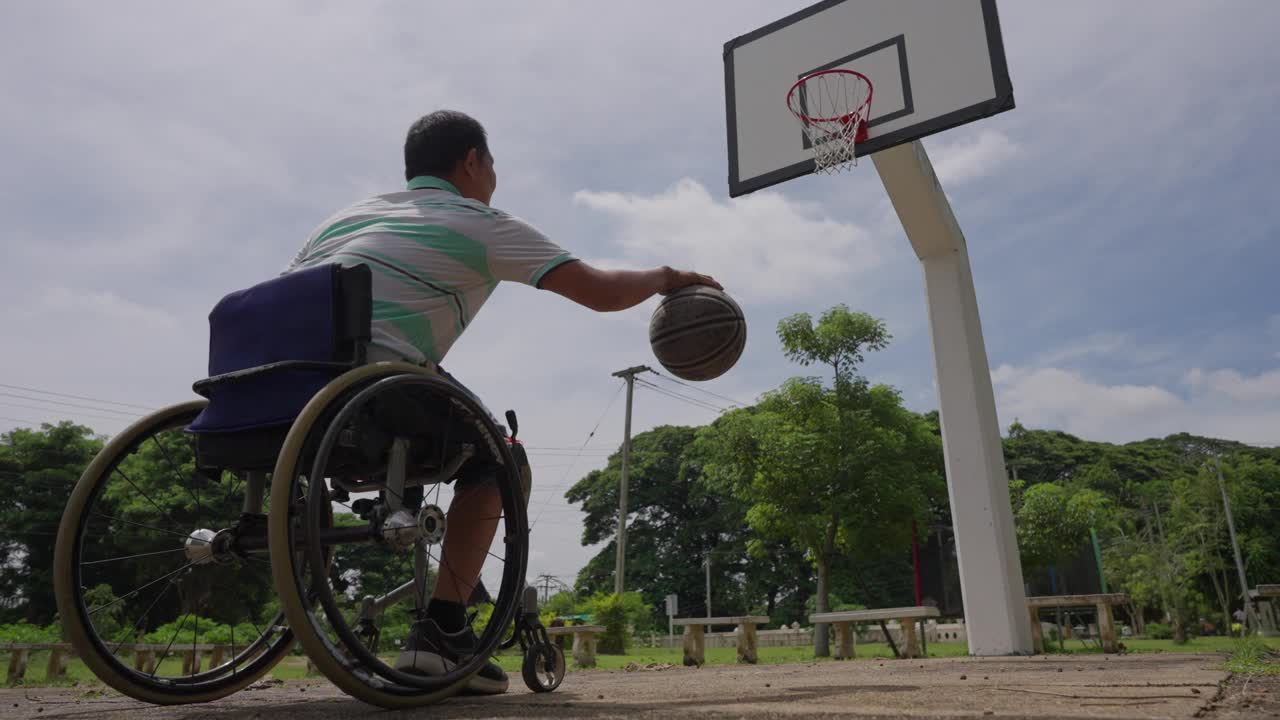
[431, 182]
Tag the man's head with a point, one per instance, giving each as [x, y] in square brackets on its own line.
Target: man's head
[451, 145]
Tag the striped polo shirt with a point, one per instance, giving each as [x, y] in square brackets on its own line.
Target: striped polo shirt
[435, 256]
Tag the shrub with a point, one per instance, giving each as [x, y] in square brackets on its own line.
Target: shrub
[24, 632]
[1159, 631]
[611, 612]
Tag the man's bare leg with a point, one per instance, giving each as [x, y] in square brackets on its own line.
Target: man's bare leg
[472, 523]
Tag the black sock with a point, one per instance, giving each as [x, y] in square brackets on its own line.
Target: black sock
[450, 616]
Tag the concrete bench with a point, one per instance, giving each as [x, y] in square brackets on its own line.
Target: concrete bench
[694, 645]
[145, 657]
[584, 642]
[1102, 602]
[905, 616]
[20, 653]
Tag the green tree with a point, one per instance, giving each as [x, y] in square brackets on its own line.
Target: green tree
[674, 520]
[1054, 521]
[836, 468]
[38, 469]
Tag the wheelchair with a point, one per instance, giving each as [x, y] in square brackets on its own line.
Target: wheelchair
[303, 500]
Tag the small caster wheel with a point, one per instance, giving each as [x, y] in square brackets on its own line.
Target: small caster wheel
[543, 667]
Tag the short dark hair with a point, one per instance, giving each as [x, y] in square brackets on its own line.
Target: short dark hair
[439, 141]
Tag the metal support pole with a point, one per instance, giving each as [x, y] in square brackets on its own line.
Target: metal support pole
[619, 571]
[995, 604]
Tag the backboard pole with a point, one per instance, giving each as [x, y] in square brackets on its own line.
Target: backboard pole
[995, 606]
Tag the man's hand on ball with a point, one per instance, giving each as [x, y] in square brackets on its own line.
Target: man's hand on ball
[677, 279]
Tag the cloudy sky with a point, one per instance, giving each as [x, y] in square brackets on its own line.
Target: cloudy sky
[1121, 221]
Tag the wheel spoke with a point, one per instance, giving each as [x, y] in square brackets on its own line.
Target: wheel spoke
[147, 497]
[131, 593]
[177, 473]
[145, 614]
[168, 647]
[130, 557]
[182, 535]
[195, 637]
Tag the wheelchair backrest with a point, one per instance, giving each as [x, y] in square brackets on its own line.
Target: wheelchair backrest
[274, 345]
[318, 314]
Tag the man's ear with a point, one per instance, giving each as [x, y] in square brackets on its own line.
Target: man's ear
[472, 162]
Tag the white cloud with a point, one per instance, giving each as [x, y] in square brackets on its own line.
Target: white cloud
[1111, 345]
[1232, 384]
[166, 154]
[1273, 326]
[762, 247]
[1225, 403]
[90, 307]
[972, 157]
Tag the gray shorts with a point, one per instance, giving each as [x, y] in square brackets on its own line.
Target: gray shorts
[465, 478]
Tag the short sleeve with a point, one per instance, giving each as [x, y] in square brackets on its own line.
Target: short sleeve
[518, 252]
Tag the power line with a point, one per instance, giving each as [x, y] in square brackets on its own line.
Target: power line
[55, 410]
[698, 389]
[590, 435]
[682, 398]
[71, 405]
[540, 448]
[75, 397]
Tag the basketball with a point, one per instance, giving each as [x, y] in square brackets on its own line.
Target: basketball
[697, 333]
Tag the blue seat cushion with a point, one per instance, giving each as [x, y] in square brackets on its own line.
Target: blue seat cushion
[292, 317]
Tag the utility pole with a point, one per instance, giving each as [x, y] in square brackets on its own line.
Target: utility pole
[620, 568]
[546, 586]
[1249, 620]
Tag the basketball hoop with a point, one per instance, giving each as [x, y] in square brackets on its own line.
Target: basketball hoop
[833, 107]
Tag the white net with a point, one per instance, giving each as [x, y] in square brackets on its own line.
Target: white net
[833, 108]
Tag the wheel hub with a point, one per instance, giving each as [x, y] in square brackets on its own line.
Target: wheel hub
[199, 546]
[432, 524]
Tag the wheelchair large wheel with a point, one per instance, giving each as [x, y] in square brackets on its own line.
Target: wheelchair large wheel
[375, 450]
[148, 545]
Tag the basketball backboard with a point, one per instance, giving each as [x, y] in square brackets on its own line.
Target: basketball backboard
[933, 64]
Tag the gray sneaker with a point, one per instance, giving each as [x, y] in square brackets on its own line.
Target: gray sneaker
[432, 651]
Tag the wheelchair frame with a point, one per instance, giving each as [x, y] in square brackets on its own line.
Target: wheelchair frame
[322, 417]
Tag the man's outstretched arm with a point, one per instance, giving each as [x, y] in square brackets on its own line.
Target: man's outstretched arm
[612, 290]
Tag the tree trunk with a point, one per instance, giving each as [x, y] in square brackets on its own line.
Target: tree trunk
[822, 643]
[1219, 589]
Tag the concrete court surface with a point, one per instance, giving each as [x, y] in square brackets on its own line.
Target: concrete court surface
[1041, 687]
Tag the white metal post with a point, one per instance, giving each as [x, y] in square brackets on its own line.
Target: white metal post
[986, 546]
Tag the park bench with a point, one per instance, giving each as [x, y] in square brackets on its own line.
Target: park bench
[695, 642]
[1102, 602]
[584, 642]
[145, 657]
[1267, 598]
[905, 616]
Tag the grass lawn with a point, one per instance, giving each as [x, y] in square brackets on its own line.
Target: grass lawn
[294, 666]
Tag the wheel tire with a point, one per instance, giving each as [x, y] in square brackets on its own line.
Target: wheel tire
[79, 630]
[536, 675]
[295, 606]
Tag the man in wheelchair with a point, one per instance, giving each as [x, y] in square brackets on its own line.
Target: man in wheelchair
[437, 250]
[305, 491]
